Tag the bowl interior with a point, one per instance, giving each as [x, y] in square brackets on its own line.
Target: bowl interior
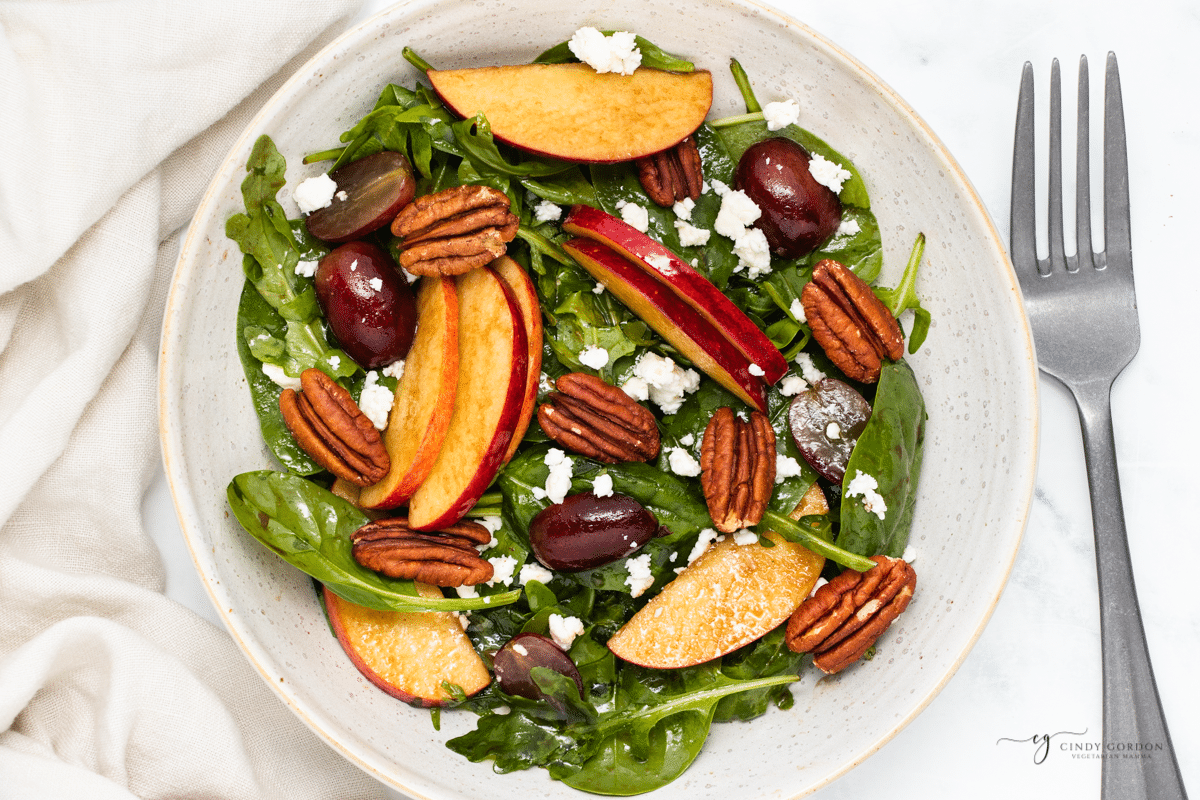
[976, 371]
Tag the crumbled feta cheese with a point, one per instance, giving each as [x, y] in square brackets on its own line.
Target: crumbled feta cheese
[820, 582]
[833, 431]
[558, 483]
[408, 276]
[617, 53]
[598, 288]
[848, 227]
[602, 486]
[463, 618]
[808, 369]
[785, 467]
[335, 362]
[683, 208]
[781, 114]
[682, 463]
[666, 383]
[659, 261]
[753, 252]
[640, 578]
[864, 486]
[354, 265]
[719, 188]
[394, 369]
[314, 193]
[737, 213]
[792, 385]
[467, 591]
[546, 211]
[376, 284]
[798, 310]
[690, 235]
[563, 630]
[707, 537]
[342, 196]
[502, 570]
[827, 173]
[539, 493]
[519, 649]
[306, 269]
[637, 388]
[688, 441]
[375, 400]
[535, 572]
[544, 383]
[910, 554]
[745, 537]
[756, 371]
[492, 523]
[594, 357]
[281, 378]
[634, 215]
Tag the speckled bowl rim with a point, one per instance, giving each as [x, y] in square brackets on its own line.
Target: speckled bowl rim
[169, 408]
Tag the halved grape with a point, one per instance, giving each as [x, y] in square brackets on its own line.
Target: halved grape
[585, 531]
[798, 214]
[522, 653]
[826, 422]
[369, 307]
[375, 189]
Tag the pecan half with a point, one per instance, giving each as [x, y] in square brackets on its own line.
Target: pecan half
[851, 324]
[737, 468]
[454, 230]
[330, 427]
[598, 420]
[841, 621]
[444, 558]
[673, 174]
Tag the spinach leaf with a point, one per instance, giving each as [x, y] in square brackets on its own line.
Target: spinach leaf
[652, 56]
[769, 656]
[310, 527]
[890, 451]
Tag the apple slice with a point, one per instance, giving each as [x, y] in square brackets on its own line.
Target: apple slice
[493, 359]
[676, 321]
[727, 598]
[572, 112]
[682, 279]
[521, 285]
[408, 654]
[424, 399]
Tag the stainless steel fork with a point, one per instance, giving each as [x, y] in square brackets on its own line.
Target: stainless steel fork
[1085, 328]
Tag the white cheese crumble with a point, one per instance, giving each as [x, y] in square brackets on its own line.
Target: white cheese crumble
[827, 173]
[785, 467]
[719, 188]
[820, 582]
[864, 486]
[546, 211]
[563, 630]
[756, 371]
[535, 572]
[544, 383]
[335, 362]
[833, 431]
[281, 378]
[602, 486]
[690, 235]
[682, 463]
[342, 196]
[640, 578]
[354, 265]
[792, 385]
[753, 252]
[737, 213]
[634, 215]
[598, 288]
[797, 310]
[519, 649]
[408, 276]
[683, 208]
[617, 53]
[659, 261]
[910, 554]
[492, 523]
[502, 570]
[688, 441]
[376, 400]
[394, 369]
[745, 537]
[594, 357]
[781, 114]
[376, 284]
[467, 592]
[707, 537]
[662, 381]
[808, 369]
[306, 269]
[848, 227]
[637, 388]
[463, 618]
[314, 193]
[558, 483]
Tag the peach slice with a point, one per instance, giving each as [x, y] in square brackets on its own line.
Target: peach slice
[493, 359]
[676, 321]
[408, 654]
[518, 280]
[681, 278]
[572, 112]
[727, 598]
[424, 399]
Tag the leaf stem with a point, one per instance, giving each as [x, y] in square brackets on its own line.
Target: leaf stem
[411, 57]
[725, 122]
[794, 532]
[743, 84]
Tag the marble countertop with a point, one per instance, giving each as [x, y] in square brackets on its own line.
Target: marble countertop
[1036, 668]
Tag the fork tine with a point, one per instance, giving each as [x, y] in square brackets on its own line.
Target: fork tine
[1054, 209]
[1118, 249]
[1022, 227]
[1083, 192]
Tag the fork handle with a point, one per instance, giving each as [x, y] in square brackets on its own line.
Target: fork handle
[1133, 714]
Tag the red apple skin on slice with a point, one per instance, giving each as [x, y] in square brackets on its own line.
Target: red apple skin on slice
[492, 363]
[572, 112]
[408, 653]
[521, 285]
[424, 399]
[674, 320]
[727, 598]
[682, 279]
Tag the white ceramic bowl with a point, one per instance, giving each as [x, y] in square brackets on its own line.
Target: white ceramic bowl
[976, 370]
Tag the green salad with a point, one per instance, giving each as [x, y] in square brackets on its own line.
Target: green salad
[631, 729]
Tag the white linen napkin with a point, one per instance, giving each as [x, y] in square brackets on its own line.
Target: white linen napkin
[113, 118]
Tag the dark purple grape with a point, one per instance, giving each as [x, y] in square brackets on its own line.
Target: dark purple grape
[826, 421]
[376, 188]
[368, 305]
[522, 653]
[798, 214]
[585, 531]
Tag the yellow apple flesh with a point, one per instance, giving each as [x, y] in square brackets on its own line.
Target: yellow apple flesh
[424, 397]
[728, 597]
[408, 654]
[572, 112]
[524, 292]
